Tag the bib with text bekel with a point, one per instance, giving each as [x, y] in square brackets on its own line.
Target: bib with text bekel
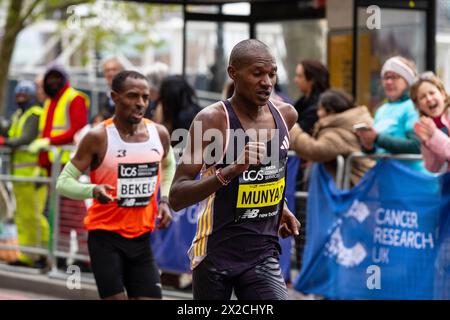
[136, 183]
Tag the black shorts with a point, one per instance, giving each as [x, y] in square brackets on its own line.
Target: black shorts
[119, 263]
[263, 281]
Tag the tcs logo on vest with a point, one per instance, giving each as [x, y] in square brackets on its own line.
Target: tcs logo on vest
[128, 172]
[252, 175]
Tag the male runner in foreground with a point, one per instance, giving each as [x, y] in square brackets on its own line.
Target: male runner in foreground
[242, 207]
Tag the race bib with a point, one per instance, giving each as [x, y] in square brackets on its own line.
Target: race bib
[136, 183]
[261, 192]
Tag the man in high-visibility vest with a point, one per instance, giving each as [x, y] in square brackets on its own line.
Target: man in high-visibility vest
[65, 113]
[32, 225]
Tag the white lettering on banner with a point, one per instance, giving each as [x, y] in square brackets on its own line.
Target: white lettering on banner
[398, 218]
[394, 227]
[380, 255]
[403, 238]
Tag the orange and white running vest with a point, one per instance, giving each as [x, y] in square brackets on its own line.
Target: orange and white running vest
[133, 169]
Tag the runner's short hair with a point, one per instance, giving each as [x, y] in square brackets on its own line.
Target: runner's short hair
[121, 77]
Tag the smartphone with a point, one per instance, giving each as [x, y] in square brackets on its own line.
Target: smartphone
[360, 126]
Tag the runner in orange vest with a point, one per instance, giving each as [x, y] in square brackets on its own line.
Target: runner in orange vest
[128, 156]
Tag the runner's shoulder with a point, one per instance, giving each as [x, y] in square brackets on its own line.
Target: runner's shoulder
[212, 116]
[288, 112]
[164, 135]
[162, 131]
[95, 135]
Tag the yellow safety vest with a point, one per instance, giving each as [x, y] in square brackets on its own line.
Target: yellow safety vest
[24, 163]
[61, 118]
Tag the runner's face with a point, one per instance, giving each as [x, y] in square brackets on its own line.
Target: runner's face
[255, 79]
[132, 102]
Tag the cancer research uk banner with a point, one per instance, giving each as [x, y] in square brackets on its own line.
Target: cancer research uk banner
[170, 246]
[377, 241]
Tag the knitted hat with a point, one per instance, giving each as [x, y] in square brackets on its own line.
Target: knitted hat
[397, 64]
[25, 86]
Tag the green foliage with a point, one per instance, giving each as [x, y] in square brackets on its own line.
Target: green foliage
[116, 26]
[109, 26]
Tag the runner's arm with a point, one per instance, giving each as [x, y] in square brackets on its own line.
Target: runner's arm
[168, 164]
[67, 183]
[186, 190]
[69, 186]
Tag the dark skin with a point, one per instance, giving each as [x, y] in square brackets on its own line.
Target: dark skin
[131, 104]
[254, 79]
[54, 81]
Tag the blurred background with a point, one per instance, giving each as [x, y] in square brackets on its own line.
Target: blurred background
[194, 38]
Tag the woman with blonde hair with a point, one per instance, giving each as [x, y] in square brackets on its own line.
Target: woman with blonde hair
[432, 101]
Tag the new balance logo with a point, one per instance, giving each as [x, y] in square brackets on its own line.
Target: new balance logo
[128, 202]
[285, 144]
[250, 214]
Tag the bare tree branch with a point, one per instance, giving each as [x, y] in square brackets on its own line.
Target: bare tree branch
[52, 7]
[63, 4]
[29, 10]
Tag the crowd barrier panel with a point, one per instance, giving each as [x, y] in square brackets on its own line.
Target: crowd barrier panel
[69, 235]
[66, 241]
[6, 177]
[358, 155]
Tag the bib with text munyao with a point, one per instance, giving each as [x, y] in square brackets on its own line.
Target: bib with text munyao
[261, 192]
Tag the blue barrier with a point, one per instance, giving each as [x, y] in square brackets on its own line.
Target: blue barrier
[170, 246]
[387, 238]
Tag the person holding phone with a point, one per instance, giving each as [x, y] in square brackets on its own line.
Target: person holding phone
[392, 130]
[334, 133]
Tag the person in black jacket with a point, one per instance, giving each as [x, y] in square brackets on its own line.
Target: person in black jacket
[312, 78]
[179, 103]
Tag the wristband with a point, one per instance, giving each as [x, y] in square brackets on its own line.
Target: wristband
[164, 200]
[223, 181]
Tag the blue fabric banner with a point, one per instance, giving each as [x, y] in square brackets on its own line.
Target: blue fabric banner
[379, 240]
[170, 246]
[286, 244]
